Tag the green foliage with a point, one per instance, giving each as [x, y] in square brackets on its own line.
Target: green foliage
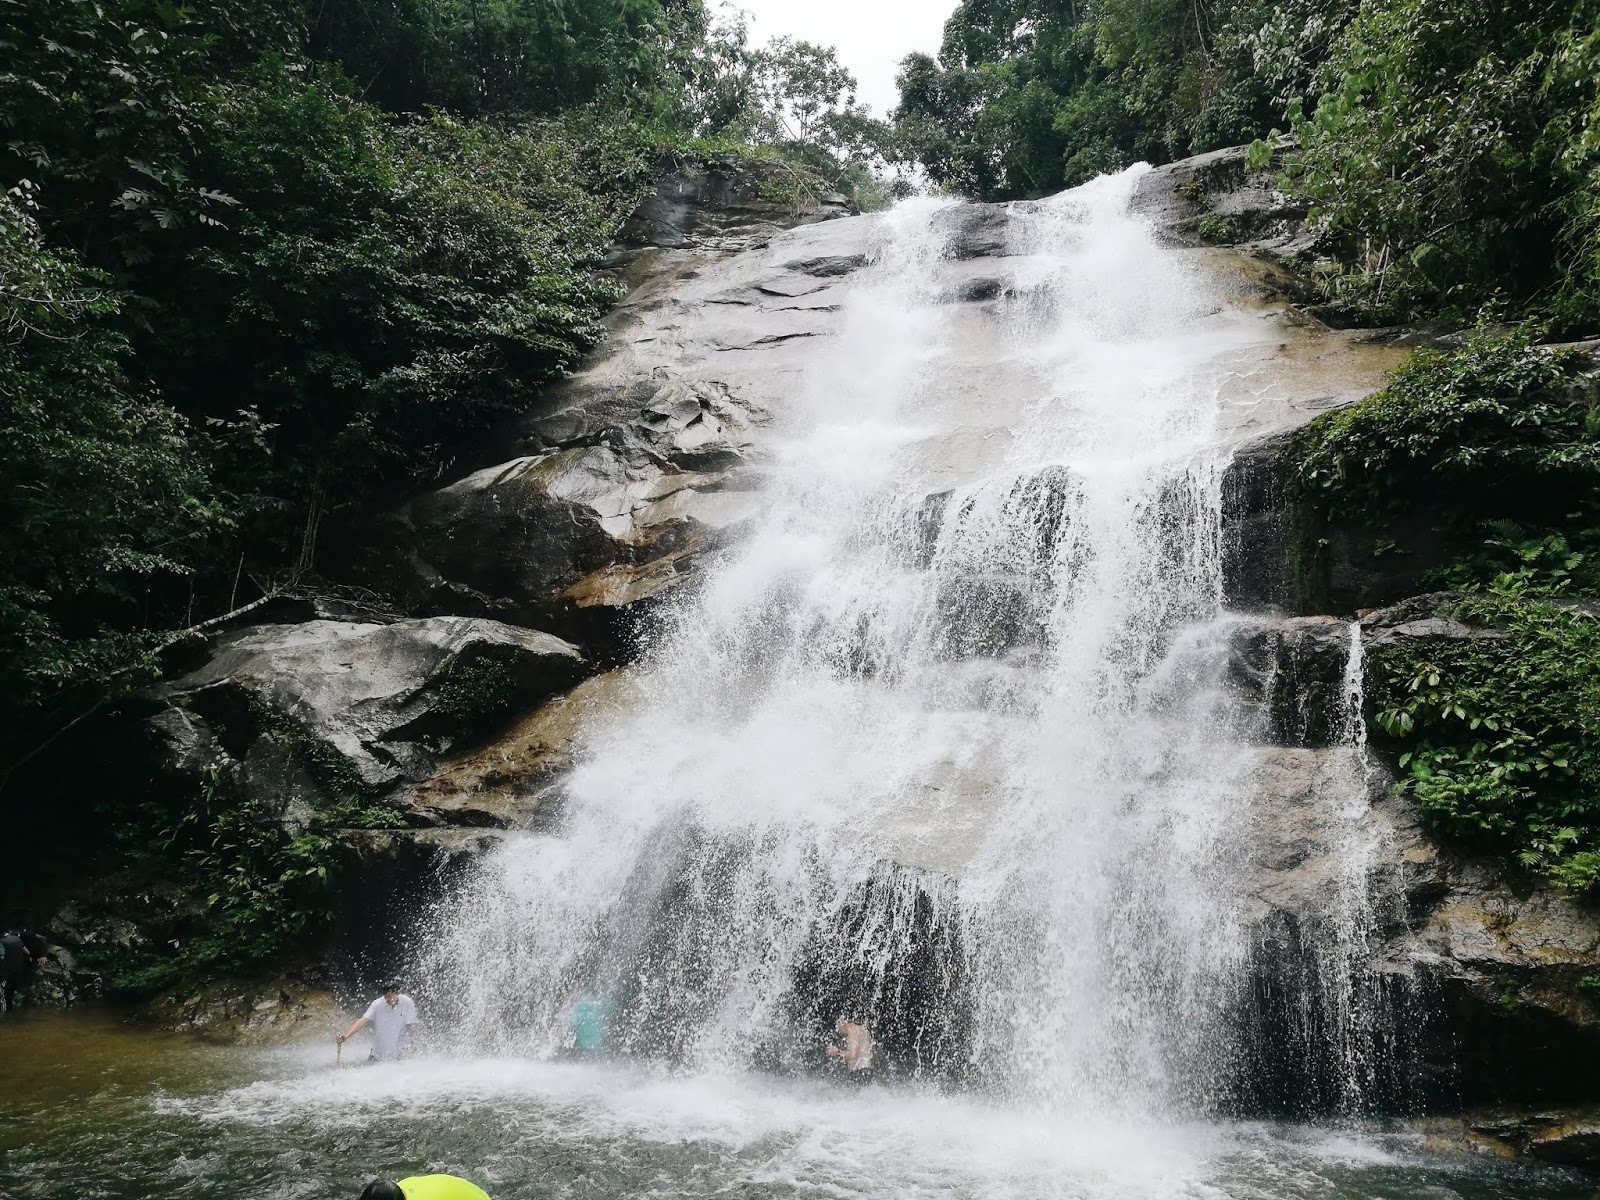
[1495, 443]
[258, 887]
[1453, 148]
[239, 302]
[529, 57]
[1027, 96]
[105, 495]
[1499, 408]
[1510, 999]
[1498, 734]
[475, 692]
[354, 815]
[447, 279]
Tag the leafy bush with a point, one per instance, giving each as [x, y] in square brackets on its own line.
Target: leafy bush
[106, 492]
[475, 692]
[1496, 443]
[387, 290]
[1499, 736]
[1453, 148]
[257, 889]
[1027, 96]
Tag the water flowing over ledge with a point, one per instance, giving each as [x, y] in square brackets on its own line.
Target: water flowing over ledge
[936, 744]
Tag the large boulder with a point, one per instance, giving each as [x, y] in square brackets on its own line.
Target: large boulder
[1215, 198]
[726, 207]
[574, 536]
[308, 716]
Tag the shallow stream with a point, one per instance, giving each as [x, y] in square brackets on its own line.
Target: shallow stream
[98, 1110]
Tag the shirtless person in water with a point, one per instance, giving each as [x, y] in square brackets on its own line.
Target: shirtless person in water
[857, 1049]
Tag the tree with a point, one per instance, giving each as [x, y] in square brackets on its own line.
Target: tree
[105, 501]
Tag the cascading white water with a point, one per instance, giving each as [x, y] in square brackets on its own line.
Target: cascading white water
[951, 762]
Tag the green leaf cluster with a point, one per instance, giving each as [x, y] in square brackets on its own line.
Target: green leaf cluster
[1495, 445]
[1030, 96]
[1497, 735]
[257, 888]
[1453, 147]
[106, 492]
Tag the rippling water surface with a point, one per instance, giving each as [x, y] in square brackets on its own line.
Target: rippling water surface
[95, 1109]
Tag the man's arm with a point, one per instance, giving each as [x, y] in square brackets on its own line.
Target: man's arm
[360, 1024]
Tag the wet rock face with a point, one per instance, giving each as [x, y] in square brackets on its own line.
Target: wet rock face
[1356, 567]
[725, 209]
[894, 959]
[1216, 199]
[1290, 674]
[1476, 988]
[645, 461]
[301, 717]
[390, 882]
[575, 537]
[1563, 1137]
[515, 781]
[1255, 527]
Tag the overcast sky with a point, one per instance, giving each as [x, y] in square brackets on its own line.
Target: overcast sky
[872, 36]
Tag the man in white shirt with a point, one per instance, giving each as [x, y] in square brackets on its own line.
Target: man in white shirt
[393, 1018]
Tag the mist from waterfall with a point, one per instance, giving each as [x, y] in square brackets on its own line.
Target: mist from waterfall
[941, 748]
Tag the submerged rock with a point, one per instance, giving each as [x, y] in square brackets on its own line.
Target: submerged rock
[254, 1014]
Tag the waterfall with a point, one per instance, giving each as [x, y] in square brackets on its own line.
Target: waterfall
[936, 746]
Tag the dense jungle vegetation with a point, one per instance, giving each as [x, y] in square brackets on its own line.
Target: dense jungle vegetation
[1454, 145]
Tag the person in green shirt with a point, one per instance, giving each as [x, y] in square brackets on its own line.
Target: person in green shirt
[424, 1187]
[587, 1021]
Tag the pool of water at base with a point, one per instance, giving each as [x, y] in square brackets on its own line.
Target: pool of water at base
[94, 1109]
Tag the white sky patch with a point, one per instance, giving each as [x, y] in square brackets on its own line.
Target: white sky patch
[872, 36]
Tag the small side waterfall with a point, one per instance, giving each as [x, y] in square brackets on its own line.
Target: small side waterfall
[944, 745]
[1328, 1025]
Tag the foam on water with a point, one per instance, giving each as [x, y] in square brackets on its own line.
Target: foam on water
[226, 1120]
[793, 1138]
